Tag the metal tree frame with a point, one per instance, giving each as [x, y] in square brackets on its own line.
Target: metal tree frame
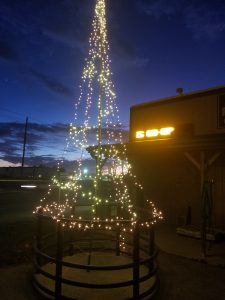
[57, 238]
[53, 242]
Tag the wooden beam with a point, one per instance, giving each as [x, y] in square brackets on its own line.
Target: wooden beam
[213, 158]
[192, 160]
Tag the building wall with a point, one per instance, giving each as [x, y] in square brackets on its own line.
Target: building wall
[164, 176]
[217, 173]
[168, 177]
[173, 184]
[201, 111]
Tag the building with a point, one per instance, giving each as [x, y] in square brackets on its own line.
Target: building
[177, 147]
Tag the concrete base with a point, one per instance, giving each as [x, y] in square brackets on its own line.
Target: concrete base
[96, 277]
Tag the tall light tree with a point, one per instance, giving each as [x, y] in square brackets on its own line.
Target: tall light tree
[96, 112]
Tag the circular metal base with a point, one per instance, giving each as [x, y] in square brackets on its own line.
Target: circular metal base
[94, 264]
[96, 277]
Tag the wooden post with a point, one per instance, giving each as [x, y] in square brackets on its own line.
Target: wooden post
[204, 220]
[90, 253]
[24, 145]
[58, 266]
[203, 167]
[39, 238]
[136, 267]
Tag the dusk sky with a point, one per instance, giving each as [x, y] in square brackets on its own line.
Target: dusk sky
[156, 47]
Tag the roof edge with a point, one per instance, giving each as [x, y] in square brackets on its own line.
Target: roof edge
[208, 91]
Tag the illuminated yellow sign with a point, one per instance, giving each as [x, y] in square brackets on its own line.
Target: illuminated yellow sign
[166, 131]
[140, 134]
[151, 133]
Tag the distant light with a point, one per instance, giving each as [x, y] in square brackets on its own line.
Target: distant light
[28, 186]
[85, 171]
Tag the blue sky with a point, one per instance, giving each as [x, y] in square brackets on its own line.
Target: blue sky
[156, 46]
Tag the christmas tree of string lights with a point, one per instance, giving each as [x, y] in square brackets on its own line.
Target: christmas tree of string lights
[97, 105]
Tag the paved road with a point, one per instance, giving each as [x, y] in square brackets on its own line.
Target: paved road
[16, 205]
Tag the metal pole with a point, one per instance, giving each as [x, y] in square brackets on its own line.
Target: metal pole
[118, 241]
[59, 255]
[151, 245]
[136, 267]
[39, 238]
[100, 99]
[99, 131]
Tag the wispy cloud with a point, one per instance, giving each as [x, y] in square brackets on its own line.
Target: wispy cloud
[52, 84]
[205, 19]
[6, 163]
[157, 8]
[126, 54]
[45, 142]
[35, 20]
[39, 139]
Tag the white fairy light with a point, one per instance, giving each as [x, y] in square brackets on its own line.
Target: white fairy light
[96, 70]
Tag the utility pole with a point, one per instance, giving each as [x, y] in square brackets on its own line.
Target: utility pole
[24, 145]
